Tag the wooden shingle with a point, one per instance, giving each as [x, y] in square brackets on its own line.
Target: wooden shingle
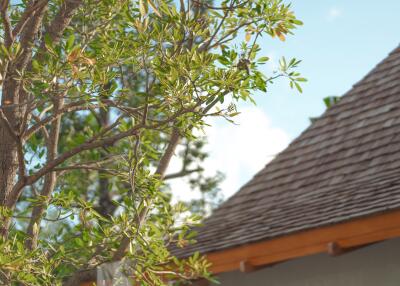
[345, 165]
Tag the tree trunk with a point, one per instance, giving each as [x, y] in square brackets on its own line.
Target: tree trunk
[9, 126]
[8, 172]
[13, 104]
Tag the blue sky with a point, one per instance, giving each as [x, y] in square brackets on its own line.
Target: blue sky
[339, 43]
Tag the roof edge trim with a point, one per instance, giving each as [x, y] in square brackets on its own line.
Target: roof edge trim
[347, 235]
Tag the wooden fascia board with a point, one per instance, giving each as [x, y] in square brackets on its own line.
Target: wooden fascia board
[347, 235]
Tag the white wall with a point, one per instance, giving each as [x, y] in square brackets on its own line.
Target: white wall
[375, 265]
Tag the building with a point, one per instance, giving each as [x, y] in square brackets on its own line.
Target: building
[326, 210]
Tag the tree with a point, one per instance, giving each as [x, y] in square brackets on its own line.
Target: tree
[329, 101]
[108, 89]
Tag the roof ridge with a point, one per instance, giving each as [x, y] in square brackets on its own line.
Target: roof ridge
[374, 69]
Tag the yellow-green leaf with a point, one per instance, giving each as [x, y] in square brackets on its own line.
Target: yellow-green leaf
[154, 8]
[143, 8]
[248, 37]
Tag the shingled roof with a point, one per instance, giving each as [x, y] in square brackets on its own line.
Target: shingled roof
[345, 165]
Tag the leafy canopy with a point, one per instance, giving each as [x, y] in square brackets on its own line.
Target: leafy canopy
[101, 93]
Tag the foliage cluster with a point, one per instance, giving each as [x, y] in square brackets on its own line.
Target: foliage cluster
[96, 97]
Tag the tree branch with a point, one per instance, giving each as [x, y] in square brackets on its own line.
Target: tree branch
[182, 173]
[9, 128]
[50, 178]
[8, 36]
[18, 141]
[88, 145]
[160, 171]
[77, 106]
[26, 16]
[62, 19]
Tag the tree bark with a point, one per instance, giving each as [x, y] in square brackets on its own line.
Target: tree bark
[8, 170]
[13, 106]
[9, 126]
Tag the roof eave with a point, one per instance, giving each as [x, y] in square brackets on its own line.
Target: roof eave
[345, 236]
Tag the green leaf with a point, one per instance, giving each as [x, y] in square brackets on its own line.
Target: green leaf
[35, 65]
[263, 60]
[298, 87]
[234, 114]
[283, 64]
[48, 41]
[224, 61]
[331, 100]
[296, 22]
[70, 42]
[5, 51]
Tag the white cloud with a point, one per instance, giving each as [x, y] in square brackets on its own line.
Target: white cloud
[334, 13]
[239, 151]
